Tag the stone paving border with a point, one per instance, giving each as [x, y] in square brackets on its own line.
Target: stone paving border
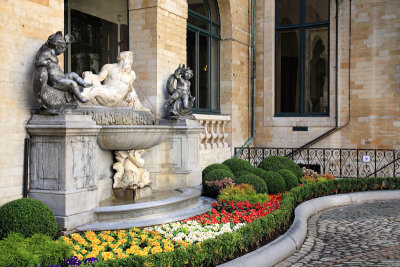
[292, 240]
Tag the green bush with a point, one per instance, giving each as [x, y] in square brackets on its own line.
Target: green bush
[290, 179]
[276, 184]
[215, 166]
[244, 173]
[242, 192]
[237, 165]
[27, 216]
[276, 163]
[259, 185]
[218, 174]
[38, 250]
[274, 180]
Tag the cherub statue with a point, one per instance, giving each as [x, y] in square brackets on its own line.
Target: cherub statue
[53, 88]
[130, 173]
[181, 101]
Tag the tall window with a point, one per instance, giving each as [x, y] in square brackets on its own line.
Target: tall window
[100, 28]
[302, 58]
[203, 35]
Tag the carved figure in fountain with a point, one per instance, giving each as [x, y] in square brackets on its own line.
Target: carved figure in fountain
[180, 103]
[55, 90]
[112, 90]
[130, 172]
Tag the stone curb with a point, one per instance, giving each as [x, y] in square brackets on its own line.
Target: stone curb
[288, 243]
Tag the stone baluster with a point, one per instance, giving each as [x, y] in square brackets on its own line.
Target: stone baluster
[214, 134]
[203, 135]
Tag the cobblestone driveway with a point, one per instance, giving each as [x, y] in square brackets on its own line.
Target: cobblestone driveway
[357, 235]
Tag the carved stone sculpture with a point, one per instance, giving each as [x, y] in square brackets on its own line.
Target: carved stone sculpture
[129, 170]
[113, 86]
[180, 104]
[55, 90]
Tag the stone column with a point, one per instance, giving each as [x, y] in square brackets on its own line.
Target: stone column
[157, 32]
[63, 166]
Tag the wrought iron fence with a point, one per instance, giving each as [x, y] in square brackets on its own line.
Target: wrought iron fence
[345, 163]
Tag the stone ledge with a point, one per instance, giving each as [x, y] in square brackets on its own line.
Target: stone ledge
[288, 243]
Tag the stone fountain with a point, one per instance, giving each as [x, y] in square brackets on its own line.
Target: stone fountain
[84, 122]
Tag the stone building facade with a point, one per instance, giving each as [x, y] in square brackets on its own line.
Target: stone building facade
[363, 76]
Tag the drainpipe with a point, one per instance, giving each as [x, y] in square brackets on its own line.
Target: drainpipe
[27, 149]
[253, 78]
[336, 128]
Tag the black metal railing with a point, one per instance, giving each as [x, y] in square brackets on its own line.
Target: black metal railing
[344, 163]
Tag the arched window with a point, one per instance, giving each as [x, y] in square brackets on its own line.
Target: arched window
[203, 36]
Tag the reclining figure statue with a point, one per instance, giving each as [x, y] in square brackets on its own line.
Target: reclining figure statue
[54, 89]
[113, 86]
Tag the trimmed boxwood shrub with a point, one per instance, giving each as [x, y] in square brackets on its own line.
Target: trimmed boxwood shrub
[258, 184]
[237, 165]
[276, 184]
[276, 163]
[218, 174]
[242, 192]
[274, 180]
[27, 216]
[243, 173]
[215, 166]
[290, 179]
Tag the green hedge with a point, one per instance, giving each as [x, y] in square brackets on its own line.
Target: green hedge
[38, 250]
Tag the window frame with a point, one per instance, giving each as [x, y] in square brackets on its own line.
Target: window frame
[212, 36]
[302, 26]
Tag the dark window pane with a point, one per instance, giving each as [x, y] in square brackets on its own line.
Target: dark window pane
[213, 8]
[198, 6]
[288, 72]
[288, 12]
[101, 31]
[199, 23]
[191, 59]
[204, 72]
[215, 30]
[214, 74]
[316, 72]
[317, 10]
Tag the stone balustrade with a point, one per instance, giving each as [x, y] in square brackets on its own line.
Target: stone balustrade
[214, 134]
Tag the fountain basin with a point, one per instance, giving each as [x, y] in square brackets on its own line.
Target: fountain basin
[131, 137]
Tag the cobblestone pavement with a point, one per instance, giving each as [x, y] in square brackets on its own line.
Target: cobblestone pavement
[356, 235]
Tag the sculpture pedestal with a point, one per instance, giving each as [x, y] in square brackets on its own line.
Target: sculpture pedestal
[63, 166]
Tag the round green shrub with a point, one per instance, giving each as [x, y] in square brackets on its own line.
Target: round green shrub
[237, 165]
[276, 163]
[276, 184]
[259, 185]
[243, 173]
[218, 174]
[27, 216]
[274, 180]
[290, 179]
[215, 166]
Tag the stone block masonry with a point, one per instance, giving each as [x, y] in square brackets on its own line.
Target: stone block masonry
[24, 26]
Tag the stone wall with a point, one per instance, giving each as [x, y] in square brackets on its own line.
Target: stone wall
[368, 103]
[24, 26]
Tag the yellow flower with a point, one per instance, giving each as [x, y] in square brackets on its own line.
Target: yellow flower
[156, 250]
[80, 256]
[83, 251]
[77, 247]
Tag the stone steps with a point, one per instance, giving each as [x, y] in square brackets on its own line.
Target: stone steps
[187, 204]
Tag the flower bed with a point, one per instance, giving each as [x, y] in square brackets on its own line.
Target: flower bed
[225, 217]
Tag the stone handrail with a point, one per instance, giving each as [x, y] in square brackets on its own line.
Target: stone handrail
[214, 134]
